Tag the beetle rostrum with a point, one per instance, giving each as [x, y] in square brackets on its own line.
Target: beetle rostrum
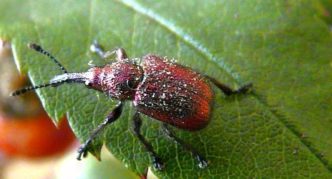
[159, 88]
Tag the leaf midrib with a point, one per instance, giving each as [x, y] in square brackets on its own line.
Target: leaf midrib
[201, 49]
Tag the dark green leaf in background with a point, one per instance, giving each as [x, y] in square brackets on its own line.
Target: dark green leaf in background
[282, 129]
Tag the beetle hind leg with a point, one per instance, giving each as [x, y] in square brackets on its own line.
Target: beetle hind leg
[228, 90]
[157, 162]
[202, 162]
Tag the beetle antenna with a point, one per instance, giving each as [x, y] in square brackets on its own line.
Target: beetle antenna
[32, 88]
[39, 49]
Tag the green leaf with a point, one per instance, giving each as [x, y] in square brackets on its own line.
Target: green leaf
[109, 167]
[282, 129]
[324, 8]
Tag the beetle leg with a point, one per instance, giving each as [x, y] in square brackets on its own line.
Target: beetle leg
[113, 116]
[202, 162]
[119, 52]
[157, 163]
[228, 90]
[97, 48]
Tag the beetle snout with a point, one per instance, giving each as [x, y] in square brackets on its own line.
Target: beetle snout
[72, 77]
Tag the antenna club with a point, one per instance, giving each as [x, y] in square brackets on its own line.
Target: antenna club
[39, 49]
[34, 46]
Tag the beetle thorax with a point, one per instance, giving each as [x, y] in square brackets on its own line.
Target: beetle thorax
[118, 80]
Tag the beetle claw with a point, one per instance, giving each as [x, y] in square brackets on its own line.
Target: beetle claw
[245, 88]
[157, 163]
[202, 163]
[82, 151]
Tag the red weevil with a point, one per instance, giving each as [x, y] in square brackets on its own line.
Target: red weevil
[159, 88]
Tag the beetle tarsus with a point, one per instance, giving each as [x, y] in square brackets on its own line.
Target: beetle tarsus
[157, 163]
[244, 89]
[228, 90]
[82, 152]
[113, 116]
[202, 162]
[83, 149]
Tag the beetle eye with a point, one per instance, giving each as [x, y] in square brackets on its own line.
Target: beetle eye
[130, 84]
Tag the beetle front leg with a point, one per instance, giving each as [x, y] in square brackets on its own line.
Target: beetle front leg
[202, 162]
[157, 163]
[119, 52]
[113, 116]
[229, 91]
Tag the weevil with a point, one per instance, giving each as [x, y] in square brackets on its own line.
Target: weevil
[159, 88]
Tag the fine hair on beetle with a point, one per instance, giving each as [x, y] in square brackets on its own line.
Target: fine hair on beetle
[163, 90]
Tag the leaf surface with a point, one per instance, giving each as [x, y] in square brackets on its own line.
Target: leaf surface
[282, 129]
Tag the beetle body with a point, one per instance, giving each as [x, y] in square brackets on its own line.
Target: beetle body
[173, 94]
[161, 89]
